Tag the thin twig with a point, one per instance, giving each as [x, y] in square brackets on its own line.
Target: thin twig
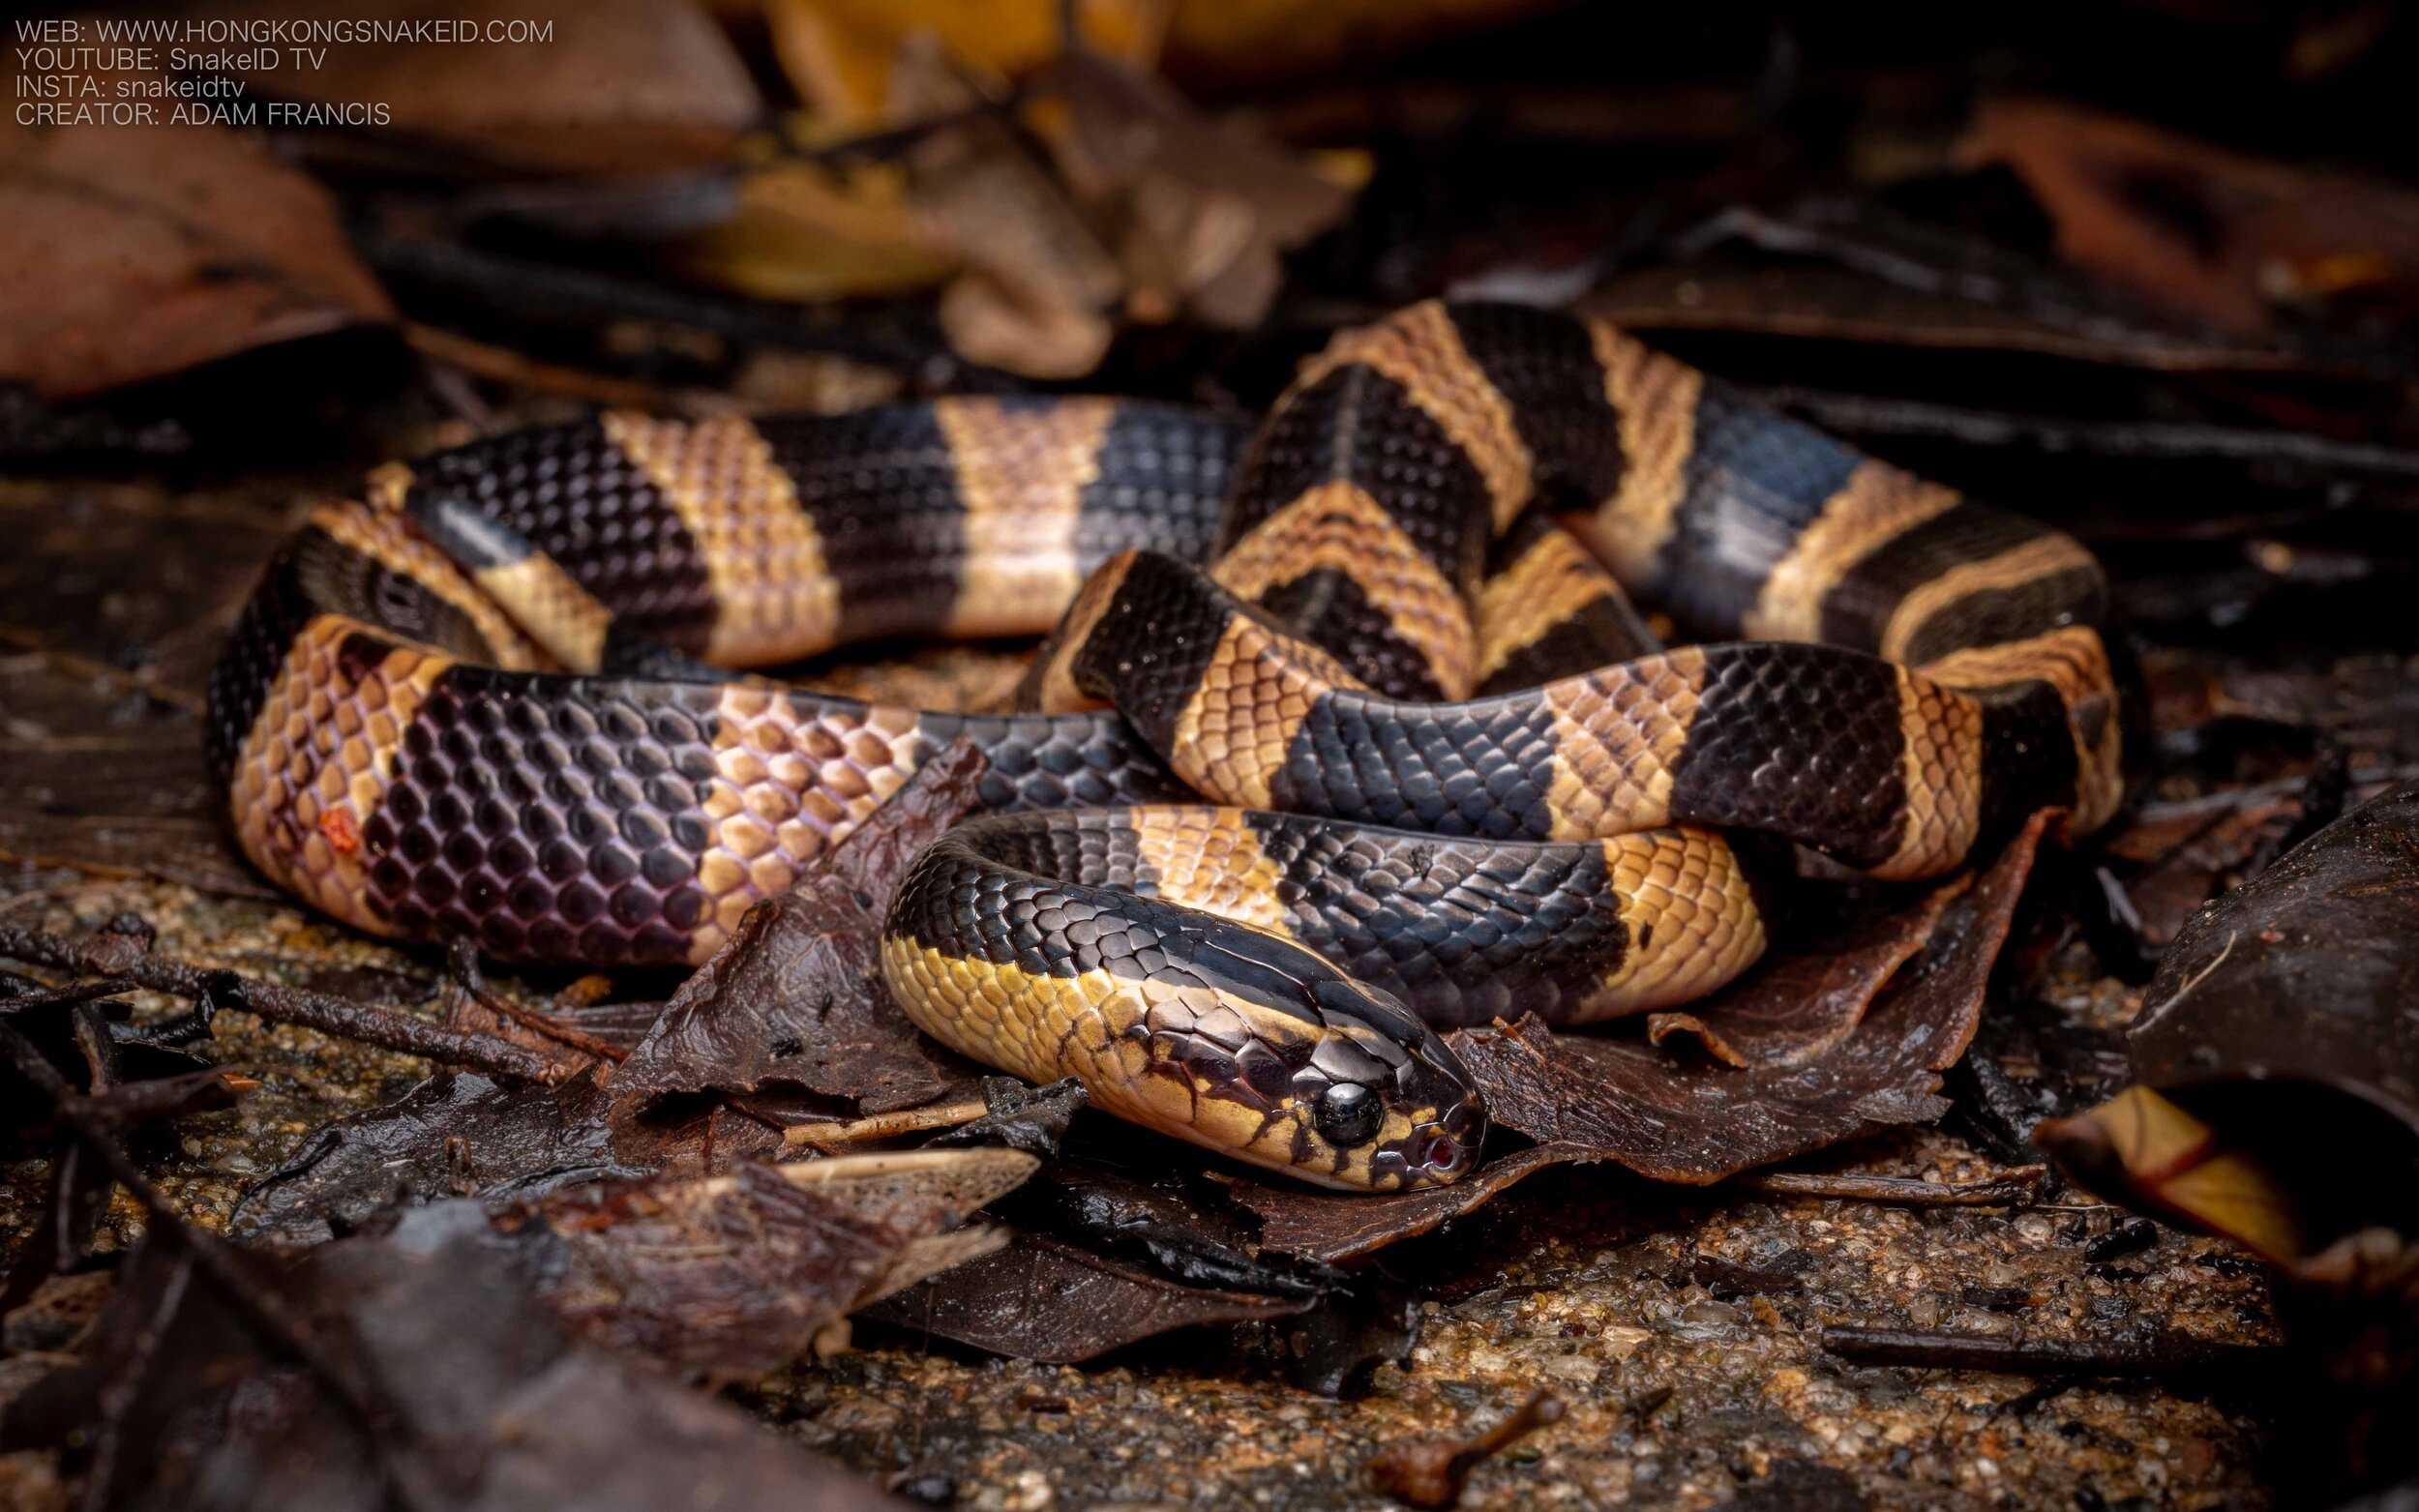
[2013, 1188]
[882, 1126]
[57, 997]
[335, 1015]
[2014, 1355]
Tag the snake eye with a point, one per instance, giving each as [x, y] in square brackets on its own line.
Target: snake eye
[1348, 1114]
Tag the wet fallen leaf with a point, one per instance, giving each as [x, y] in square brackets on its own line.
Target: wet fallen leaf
[2032, 1060]
[1020, 1117]
[1038, 1299]
[1164, 1216]
[455, 1135]
[136, 251]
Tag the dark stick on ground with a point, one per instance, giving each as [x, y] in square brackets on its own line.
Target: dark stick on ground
[462, 963]
[351, 1021]
[2160, 1354]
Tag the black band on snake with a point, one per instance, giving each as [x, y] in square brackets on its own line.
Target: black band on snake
[1454, 774]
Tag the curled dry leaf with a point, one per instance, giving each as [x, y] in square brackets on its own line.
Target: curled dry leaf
[1036, 282]
[1594, 1098]
[1202, 209]
[616, 86]
[137, 251]
[799, 230]
[2279, 1034]
[1143, 201]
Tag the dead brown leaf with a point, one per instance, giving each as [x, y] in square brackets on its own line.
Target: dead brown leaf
[1340, 1226]
[841, 54]
[621, 86]
[433, 1378]
[1795, 1006]
[137, 251]
[2194, 229]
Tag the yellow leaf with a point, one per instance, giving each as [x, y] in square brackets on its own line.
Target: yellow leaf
[801, 232]
[839, 53]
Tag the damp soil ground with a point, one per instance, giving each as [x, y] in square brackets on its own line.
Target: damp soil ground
[1590, 1284]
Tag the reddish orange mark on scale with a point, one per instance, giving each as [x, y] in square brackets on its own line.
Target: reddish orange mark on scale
[338, 825]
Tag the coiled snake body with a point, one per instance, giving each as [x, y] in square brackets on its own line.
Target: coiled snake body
[1456, 771]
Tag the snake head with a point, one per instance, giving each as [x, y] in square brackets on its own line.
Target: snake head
[1384, 1102]
[1282, 1061]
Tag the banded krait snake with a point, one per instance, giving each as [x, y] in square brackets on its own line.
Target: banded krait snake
[479, 704]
